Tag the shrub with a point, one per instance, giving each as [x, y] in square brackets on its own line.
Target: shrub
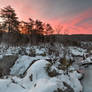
[68, 88]
[64, 64]
[43, 54]
[22, 51]
[51, 72]
[59, 90]
[32, 53]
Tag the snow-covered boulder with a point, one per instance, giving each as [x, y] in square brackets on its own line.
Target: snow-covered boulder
[37, 70]
[51, 85]
[6, 85]
[21, 65]
[74, 77]
[37, 79]
[77, 51]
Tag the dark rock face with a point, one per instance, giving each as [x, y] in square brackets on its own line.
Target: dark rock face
[6, 63]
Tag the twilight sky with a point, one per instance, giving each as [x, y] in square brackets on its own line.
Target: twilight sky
[74, 15]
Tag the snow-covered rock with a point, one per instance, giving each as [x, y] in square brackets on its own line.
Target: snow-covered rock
[6, 85]
[74, 77]
[22, 63]
[77, 51]
[36, 77]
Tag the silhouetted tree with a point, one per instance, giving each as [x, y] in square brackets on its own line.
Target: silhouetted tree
[59, 30]
[49, 29]
[10, 22]
[38, 31]
[30, 26]
[39, 27]
[23, 27]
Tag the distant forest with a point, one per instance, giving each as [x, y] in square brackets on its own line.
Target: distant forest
[15, 32]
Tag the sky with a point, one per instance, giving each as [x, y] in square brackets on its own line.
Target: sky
[70, 16]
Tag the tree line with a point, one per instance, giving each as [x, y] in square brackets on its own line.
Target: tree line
[13, 31]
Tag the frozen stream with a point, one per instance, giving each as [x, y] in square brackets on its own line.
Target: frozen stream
[87, 81]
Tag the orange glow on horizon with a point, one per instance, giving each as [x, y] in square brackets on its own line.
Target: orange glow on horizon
[71, 26]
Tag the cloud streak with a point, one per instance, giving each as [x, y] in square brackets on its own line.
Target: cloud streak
[74, 15]
[79, 24]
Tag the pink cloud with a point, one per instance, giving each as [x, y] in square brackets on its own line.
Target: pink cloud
[76, 25]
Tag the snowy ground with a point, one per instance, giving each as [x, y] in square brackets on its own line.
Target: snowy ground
[37, 80]
[30, 72]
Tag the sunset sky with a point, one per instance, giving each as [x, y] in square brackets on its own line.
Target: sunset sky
[74, 15]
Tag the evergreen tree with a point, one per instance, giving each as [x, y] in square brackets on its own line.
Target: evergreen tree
[10, 20]
[10, 25]
[39, 27]
[30, 26]
[49, 29]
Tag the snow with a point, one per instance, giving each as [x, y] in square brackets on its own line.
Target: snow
[40, 51]
[88, 60]
[38, 69]
[45, 85]
[36, 78]
[40, 82]
[23, 63]
[6, 85]
[5, 50]
[38, 72]
[77, 51]
[74, 77]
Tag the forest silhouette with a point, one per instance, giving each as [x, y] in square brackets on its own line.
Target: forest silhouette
[15, 32]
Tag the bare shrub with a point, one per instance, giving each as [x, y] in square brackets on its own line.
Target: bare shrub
[51, 72]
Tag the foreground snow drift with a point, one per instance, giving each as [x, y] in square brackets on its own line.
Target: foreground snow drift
[34, 70]
[22, 63]
[37, 80]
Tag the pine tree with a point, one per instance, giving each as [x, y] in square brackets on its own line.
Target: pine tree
[49, 29]
[10, 20]
[39, 27]
[10, 25]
